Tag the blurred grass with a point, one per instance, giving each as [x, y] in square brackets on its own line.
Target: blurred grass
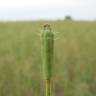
[74, 59]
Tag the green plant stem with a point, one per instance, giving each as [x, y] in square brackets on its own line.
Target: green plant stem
[48, 87]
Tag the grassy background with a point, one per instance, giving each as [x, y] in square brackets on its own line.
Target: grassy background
[74, 59]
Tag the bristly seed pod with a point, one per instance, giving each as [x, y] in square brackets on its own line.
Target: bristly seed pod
[47, 37]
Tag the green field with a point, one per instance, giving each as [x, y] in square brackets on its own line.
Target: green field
[74, 68]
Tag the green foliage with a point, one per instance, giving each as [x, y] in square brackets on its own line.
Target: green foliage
[68, 18]
[74, 66]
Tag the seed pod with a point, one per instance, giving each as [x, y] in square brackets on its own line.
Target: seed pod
[47, 50]
[47, 37]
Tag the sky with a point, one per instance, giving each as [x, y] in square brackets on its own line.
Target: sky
[47, 9]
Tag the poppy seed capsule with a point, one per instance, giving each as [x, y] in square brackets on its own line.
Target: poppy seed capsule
[47, 38]
[47, 50]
